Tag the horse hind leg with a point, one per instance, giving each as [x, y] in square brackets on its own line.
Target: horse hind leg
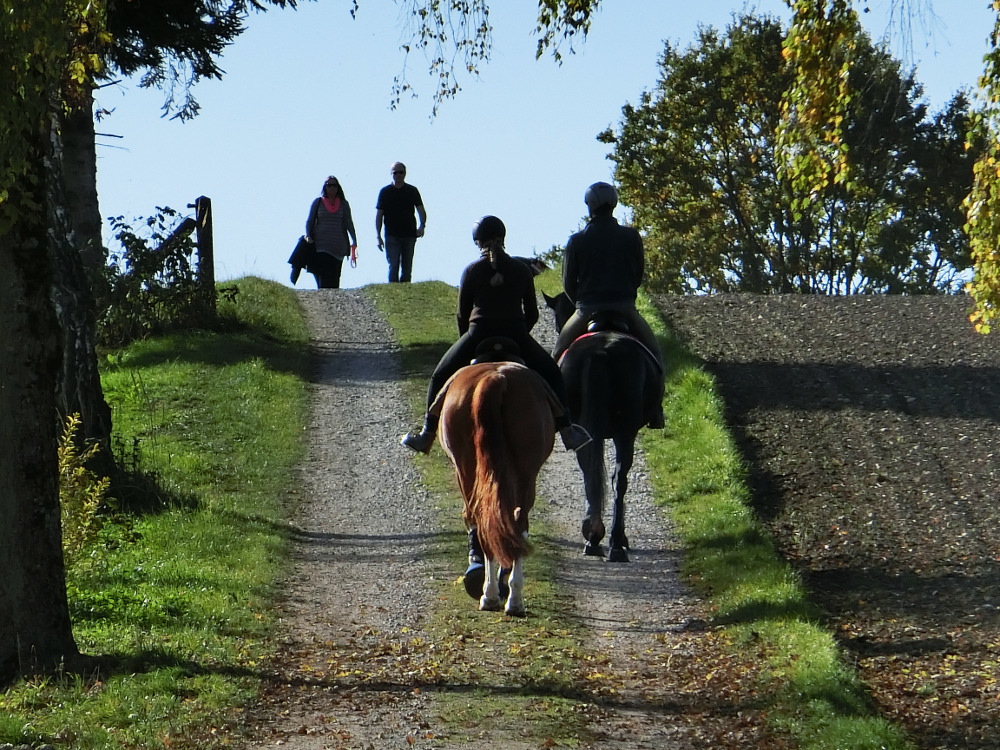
[624, 458]
[475, 575]
[591, 460]
[593, 531]
[515, 599]
[490, 600]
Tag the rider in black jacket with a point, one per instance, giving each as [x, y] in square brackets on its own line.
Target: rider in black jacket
[496, 297]
[603, 266]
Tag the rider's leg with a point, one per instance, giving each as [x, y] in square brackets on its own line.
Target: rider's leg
[453, 360]
[573, 436]
[639, 326]
[575, 327]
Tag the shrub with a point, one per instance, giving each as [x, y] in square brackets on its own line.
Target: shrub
[81, 493]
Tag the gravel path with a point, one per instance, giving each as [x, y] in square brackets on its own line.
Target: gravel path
[360, 577]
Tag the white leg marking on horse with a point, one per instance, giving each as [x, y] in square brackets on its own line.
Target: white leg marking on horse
[515, 602]
[490, 600]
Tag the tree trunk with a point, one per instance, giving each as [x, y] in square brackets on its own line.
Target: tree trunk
[35, 632]
[78, 275]
[80, 178]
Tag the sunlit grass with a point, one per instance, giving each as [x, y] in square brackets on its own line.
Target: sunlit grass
[174, 605]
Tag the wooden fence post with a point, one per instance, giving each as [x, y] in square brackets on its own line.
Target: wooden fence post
[206, 252]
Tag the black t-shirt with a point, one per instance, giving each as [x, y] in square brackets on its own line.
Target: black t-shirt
[397, 205]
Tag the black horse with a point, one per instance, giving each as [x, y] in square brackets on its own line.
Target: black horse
[614, 384]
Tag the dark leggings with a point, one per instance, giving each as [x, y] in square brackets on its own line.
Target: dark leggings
[326, 269]
[464, 350]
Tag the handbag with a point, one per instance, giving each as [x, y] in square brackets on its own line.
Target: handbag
[302, 257]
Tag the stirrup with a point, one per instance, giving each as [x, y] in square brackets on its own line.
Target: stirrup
[574, 437]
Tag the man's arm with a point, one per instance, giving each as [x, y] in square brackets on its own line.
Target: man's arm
[379, 215]
[422, 214]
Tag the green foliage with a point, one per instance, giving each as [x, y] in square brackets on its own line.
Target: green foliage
[178, 45]
[983, 203]
[81, 494]
[819, 49]
[700, 161]
[151, 283]
[562, 20]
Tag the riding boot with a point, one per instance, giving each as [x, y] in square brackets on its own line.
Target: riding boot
[476, 556]
[423, 440]
[656, 419]
[574, 436]
[475, 574]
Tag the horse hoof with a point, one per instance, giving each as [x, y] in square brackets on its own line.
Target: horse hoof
[474, 578]
[516, 612]
[617, 555]
[593, 550]
[490, 605]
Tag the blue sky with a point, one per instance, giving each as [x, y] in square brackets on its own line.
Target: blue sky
[306, 94]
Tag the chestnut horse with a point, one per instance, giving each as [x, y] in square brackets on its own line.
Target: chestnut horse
[497, 428]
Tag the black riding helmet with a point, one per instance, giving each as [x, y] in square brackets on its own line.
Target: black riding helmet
[600, 194]
[488, 228]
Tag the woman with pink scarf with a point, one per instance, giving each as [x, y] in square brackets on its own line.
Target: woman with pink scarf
[331, 230]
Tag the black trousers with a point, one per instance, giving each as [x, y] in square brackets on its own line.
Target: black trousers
[463, 350]
[326, 269]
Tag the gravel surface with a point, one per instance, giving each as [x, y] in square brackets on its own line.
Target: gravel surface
[361, 582]
[360, 577]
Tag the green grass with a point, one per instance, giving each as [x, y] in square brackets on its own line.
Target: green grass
[177, 616]
[174, 614]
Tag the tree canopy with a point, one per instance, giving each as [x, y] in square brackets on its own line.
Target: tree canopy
[700, 162]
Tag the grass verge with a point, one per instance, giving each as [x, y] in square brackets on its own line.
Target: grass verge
[173, 614]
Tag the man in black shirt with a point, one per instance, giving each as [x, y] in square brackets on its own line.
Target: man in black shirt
[395, 206]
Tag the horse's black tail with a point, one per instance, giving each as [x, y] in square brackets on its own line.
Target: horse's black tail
[598, 379]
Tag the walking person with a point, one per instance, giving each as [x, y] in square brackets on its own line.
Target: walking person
[496, 297]
[330, 228]
[395, 209]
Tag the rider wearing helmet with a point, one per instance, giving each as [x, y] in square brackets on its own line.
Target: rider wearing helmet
[603, 266]
[496, 297]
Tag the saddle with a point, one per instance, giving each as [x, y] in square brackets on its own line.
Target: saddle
[497, 349]
[608, 320]
[604, 321]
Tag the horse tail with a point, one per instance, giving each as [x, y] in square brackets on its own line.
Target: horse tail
[496, 488]
[598, 383]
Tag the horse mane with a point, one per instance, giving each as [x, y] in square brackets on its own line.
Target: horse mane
[496, 490]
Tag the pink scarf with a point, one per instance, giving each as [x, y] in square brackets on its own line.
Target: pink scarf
[332, 205]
